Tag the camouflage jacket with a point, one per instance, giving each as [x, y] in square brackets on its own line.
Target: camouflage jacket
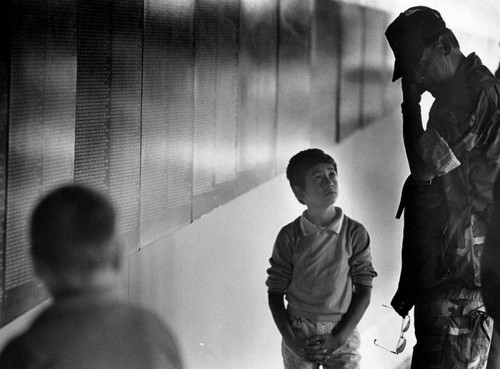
[445, 220]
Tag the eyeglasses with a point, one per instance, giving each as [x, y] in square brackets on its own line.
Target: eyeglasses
[405, 325]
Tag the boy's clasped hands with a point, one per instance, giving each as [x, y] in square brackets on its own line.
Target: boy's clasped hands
[316, 349]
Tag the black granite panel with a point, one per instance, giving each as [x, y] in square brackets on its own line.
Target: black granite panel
[125, 113]
[325, 55]
[26, 119]
[167, 123]
[179, 114]
[5, 35]
[93, 104]
[216, 104]
[351, 69]
[257, 101]
[154, 127]
[41, 132]
[205, 77]
[227, 100]
[294, 79]
[108, 119]
[376, 77]
[60, 94]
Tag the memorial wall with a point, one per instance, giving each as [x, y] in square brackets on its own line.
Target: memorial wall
[172, 108]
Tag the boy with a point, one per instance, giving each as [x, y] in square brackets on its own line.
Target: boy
[77, 255]
[321, 262]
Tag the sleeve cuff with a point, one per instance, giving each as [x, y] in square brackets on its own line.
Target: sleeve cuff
[363, 280]
[437, 154]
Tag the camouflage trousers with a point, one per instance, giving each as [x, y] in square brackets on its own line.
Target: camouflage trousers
[452, 333]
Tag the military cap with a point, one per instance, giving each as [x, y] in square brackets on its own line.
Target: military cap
[410, 33]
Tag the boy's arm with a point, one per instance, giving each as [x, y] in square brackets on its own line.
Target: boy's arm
[330, 342]
[360, 300]
[279, 278]
[293, 339]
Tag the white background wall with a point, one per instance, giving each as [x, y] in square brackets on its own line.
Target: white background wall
[207, 280]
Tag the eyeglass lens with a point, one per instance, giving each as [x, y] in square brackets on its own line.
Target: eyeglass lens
[401, 345]
[405, 325]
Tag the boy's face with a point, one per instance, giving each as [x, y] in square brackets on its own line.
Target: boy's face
[321, 187]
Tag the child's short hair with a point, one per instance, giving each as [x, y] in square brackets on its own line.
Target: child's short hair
[300, 163]
[71, 228]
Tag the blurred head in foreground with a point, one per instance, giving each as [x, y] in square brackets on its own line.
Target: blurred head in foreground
[73, 241]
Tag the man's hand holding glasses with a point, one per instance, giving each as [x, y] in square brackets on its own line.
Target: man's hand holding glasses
[405, 325]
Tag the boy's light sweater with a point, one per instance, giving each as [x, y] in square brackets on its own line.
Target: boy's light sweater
[316, 267]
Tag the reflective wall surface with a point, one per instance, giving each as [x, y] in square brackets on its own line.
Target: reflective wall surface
[186, 113]
[172, 108]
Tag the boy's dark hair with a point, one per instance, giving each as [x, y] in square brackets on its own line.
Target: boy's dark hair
[71, 228]
[300, 163]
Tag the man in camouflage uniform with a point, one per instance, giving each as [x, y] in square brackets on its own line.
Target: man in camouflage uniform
[490, 273]
[447, 197]
[497, 73]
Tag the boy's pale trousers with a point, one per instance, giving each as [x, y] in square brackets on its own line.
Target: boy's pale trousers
[346, 357]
